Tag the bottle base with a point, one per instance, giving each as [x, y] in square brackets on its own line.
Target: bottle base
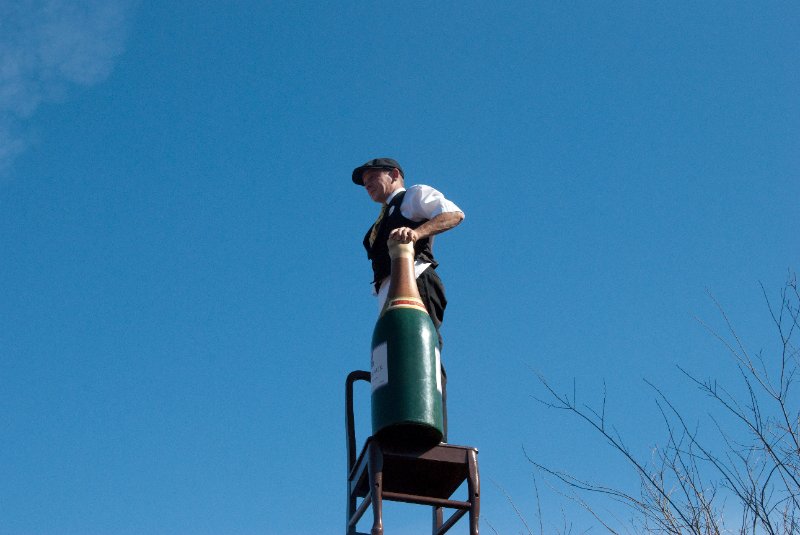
[410, 435]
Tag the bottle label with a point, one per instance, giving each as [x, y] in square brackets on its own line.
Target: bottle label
[379, 375]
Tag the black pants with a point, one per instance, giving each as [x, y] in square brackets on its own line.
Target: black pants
[431, 291]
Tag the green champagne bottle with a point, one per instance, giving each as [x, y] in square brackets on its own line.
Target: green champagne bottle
[406, 371]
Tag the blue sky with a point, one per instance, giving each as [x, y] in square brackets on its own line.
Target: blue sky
[182, 285]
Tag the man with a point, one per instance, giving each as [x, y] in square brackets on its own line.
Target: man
[414, 215]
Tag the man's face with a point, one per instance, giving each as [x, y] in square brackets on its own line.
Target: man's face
[380, 183]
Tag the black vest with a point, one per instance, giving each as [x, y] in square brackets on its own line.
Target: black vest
[378, 253]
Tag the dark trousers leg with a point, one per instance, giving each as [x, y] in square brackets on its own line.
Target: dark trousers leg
[431, 291]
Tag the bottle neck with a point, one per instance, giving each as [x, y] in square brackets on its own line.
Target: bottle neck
[403, 292]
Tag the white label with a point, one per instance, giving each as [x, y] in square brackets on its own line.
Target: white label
[380, 367]
[438, 371]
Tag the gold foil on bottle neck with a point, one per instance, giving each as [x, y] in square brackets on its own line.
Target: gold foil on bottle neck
[403, 291]
[400, 250]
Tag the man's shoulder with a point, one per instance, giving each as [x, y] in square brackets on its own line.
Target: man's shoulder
[421, 190]
[419, 194]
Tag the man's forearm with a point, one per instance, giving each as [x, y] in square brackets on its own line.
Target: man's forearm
[440, 223]
[437, 225]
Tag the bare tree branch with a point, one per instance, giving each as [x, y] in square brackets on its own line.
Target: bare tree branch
[687, 486]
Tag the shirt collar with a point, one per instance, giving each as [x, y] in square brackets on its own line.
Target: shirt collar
[392, 194]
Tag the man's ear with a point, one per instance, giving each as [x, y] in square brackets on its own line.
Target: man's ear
[395, 174]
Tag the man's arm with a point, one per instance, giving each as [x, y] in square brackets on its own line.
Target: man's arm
[438, 224]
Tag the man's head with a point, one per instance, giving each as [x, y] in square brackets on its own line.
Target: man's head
[380, 177]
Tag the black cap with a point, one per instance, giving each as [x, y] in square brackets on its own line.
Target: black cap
[377, 163]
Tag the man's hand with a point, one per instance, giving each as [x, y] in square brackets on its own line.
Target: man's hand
[404, 235]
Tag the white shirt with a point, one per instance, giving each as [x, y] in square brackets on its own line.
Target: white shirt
[419, 204]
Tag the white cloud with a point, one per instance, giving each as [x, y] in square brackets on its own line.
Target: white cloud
[48, 47]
